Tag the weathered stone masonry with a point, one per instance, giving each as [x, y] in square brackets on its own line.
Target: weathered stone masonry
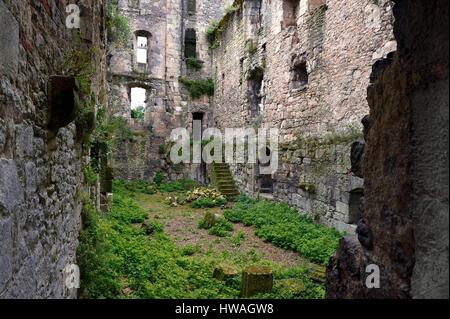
[303, 67]
[174, 31]
[405, 230]
[40, 153]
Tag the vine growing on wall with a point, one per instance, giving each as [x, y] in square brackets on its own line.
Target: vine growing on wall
[213, 34]
[117, 25]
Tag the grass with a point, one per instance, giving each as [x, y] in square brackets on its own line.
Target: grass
[125, 254]
[283, 226]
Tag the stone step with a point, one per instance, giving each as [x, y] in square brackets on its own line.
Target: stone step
[225, 180]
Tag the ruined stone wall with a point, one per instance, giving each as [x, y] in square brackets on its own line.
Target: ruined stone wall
[405, 229]
[169, 104]
[40, 154]
[314, 59]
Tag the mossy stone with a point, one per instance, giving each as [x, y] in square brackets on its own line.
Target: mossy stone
[256, 280]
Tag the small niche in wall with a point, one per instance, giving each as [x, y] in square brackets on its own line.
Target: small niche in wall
[63, 95]
[191, 7]
[356, 206]
[255, 91]
[290, 13]
[299, 76]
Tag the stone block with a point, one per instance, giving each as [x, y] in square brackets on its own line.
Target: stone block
[9, 38]
[256, 280]
[342, 208]
[225, 273]
[11, 191]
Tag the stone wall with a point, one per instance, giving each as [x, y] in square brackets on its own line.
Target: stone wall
[313, 61]
[405, 229]
[40, 153]
[169, 104]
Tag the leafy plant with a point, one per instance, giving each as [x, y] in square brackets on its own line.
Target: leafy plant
[198, 88]
[138, 113]
[213, 34]
[238, 238]
[231, 9]
[286, 228]
[222, 228]
[118, 26]
[159, 178]
[90, 176]
[194, 63]
[119, 259]
[189, 250]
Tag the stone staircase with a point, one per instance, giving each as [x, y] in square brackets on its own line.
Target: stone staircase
[223, 180]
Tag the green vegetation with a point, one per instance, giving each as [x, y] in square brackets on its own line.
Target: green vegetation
[309, 188]
[138, 113]
[198, 88]
[283, 226]
[194, 63]
[222, 228]
[118, 26]
[238, 238]
[215, 30]
[136, 186]
[159, 178]
[252, 47]
[208, 203]
[231, 9]
[219, 227]
[90, 176]
[126, 255]
[213, 34]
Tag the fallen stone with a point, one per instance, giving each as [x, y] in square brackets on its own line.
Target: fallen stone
[225, 273]
[256, 280]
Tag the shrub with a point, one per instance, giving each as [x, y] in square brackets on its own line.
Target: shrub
[194, 63]
[151, 227]
[198, 88]
[189, 250]
[222, 228]
[138, 113]
[158, 179]
[213, 34]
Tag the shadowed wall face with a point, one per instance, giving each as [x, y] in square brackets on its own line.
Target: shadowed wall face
[405, 167]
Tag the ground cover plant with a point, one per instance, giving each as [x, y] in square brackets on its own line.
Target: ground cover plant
[286, 228]
[130, 252]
